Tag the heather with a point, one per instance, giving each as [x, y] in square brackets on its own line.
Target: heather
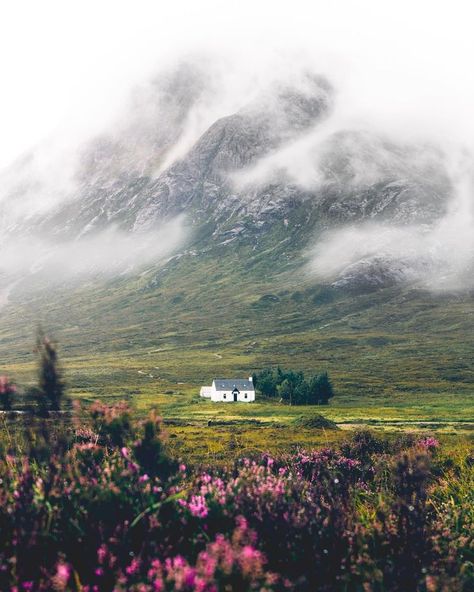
[95, 502]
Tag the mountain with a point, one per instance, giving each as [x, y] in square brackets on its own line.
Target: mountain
[269, 232]
[121, 178]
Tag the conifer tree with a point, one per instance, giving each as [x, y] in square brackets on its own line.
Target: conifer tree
[321, 389]
[50, 383]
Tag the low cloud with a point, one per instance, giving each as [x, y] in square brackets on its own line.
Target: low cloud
[108, 253]
[438, 256]
[393, 81]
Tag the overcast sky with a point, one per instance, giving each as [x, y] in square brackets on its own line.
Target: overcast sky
[69, 64]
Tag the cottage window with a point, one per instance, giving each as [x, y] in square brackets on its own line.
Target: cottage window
[245, 395]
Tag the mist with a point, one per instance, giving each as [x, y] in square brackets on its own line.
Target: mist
[437, 256]
[400, 73]
[103, 255]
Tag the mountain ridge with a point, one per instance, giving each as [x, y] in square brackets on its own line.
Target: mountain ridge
[237, 263]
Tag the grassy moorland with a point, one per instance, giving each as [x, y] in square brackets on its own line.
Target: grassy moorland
[200, 430]
[241, 497]
[399, 358]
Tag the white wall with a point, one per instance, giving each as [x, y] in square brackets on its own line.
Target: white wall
[206, 391]
[218, 396]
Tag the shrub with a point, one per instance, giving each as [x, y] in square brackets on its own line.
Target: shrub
[7, 393]
[51, 386]
[316, 422]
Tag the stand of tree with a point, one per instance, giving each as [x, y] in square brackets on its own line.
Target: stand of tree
[293, 387]
[49, 393]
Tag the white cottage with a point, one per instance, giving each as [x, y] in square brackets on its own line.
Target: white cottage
[225, 390]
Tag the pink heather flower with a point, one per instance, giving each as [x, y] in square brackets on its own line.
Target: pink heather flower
[133, 567]
[197, 506]
[26, 585]
[189, 577]
[182, 468]
[101, 553]
[179, 562]
[429, 443]
[249, 552]
[200, 585]
[125, 452]
[242, 523]
[209, 566]
[63, 572]
[143, 478]
[99, 571]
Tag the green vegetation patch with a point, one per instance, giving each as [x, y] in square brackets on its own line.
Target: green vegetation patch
[318, 422]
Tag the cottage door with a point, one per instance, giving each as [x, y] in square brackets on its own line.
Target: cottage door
[235, 392]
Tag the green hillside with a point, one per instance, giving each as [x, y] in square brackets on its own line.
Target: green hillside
[395, 355]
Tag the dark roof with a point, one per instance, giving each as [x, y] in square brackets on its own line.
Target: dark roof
[229, 384]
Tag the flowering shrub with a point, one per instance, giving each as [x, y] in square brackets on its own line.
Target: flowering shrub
[233, 564]
[106, 510]
[7, 392]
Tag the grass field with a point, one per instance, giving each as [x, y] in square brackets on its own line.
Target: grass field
[399, 358]
[200, 430]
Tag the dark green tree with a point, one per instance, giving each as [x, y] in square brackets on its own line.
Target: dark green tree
[291, 386]
[50, 383]
[295, 378]
[286, 391]
[266, 381]
[302, 393]
[320, 389]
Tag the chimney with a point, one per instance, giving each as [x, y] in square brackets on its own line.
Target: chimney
[250, 379]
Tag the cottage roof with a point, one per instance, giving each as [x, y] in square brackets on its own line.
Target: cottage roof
[229, 384]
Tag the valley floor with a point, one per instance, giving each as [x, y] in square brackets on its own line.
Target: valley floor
[203, 431]
[399, 360]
